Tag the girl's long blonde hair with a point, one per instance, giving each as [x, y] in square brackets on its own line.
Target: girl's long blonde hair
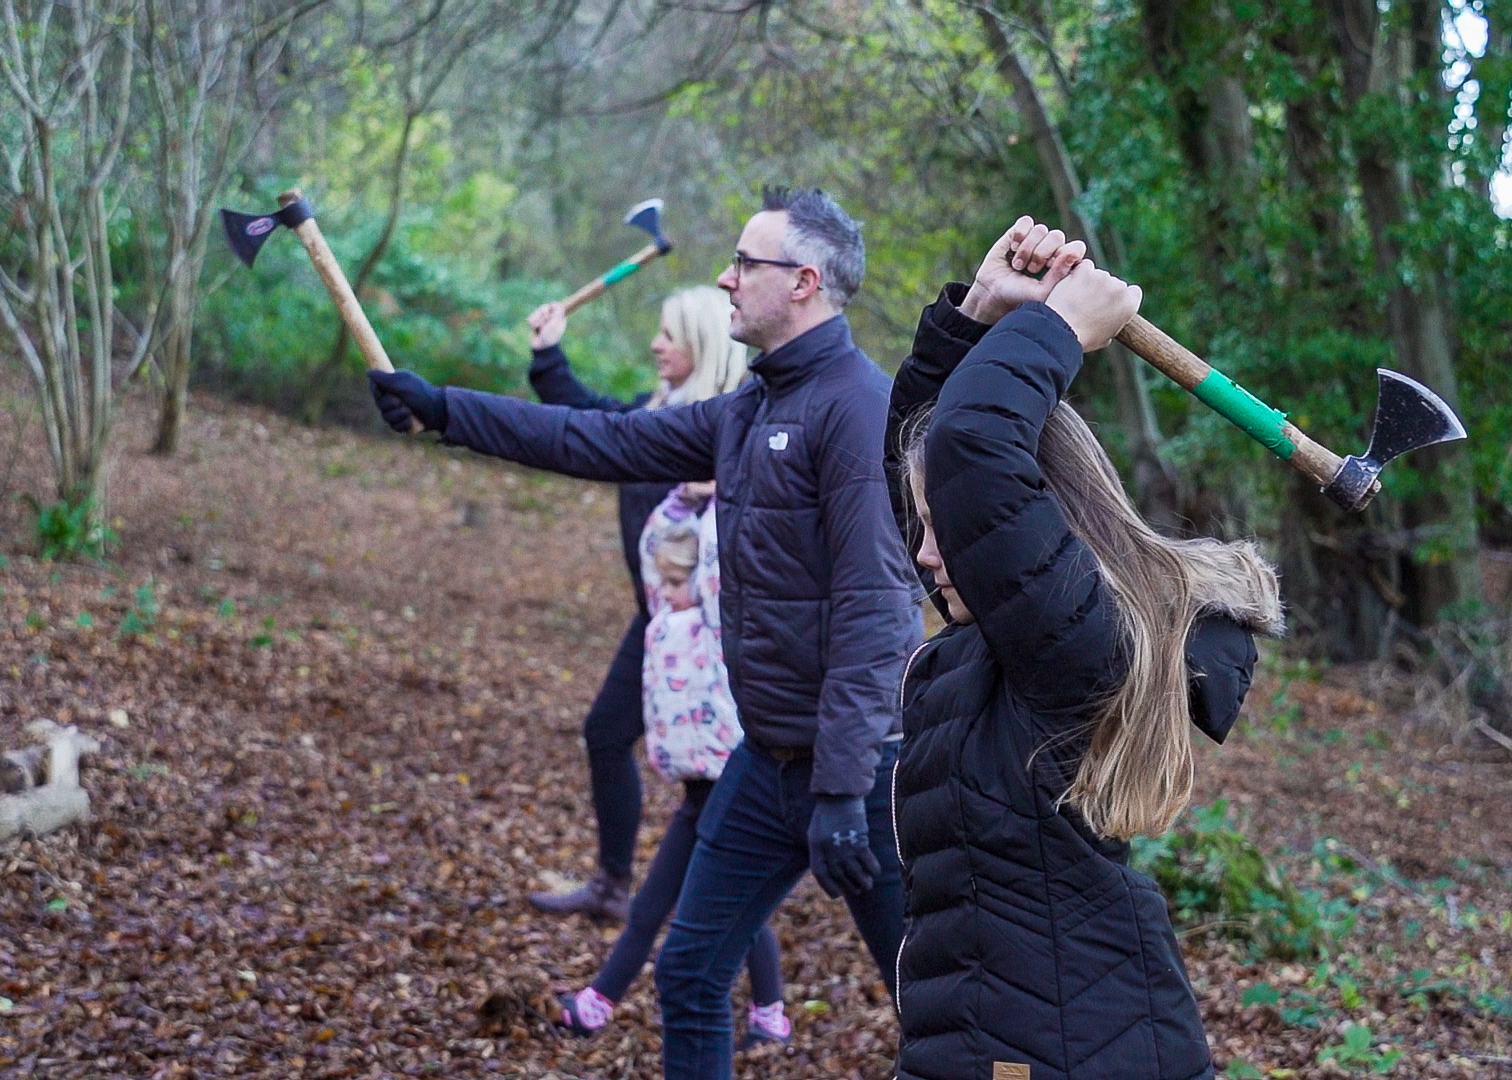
[1136, 775]
[698, 320]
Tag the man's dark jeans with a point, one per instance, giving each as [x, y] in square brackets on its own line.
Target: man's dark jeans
[752, 849]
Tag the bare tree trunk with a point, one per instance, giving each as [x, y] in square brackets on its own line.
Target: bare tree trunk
[431, 47]
[68, 80]
[1154, 484]
[200, 57]
[1210, 121]
[175, 361]
[1397, 66]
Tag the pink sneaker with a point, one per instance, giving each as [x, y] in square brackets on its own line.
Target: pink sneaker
[766, 1023]
[585, 1012]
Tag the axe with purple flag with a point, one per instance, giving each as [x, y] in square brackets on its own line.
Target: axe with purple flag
[247, 233]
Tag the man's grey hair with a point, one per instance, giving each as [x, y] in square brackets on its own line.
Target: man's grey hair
[822, 235]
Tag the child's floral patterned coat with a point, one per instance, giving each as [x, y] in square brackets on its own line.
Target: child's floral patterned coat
[691, 720]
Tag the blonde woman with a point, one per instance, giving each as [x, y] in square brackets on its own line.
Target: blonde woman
[1050, 721]
[695, 360]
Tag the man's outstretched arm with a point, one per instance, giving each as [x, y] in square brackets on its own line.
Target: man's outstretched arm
[665, 444]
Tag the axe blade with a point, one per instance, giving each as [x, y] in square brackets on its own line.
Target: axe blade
[246, 233]
[646, 216]
[1409, 416]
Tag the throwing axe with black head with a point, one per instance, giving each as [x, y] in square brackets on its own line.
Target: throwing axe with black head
[247, 233]
[645, 216]
[1409, 416]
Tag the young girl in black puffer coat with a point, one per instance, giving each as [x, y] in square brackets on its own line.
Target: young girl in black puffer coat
[1049, 722]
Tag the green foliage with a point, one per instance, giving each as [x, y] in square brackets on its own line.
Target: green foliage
[1422, 988]
[1356, 1053]
[1214, 877]
[69, 530]
[1260, 994]
[437, 312]
[264, 638]
[141, 617]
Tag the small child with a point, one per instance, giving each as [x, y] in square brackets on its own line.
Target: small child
[691, 727]
[676, 559]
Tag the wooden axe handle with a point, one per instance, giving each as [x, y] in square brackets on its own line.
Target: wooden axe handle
[1235, 404]
[619, 271]
[341, 292]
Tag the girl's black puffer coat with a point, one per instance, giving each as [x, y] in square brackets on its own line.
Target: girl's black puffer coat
[1030, 943]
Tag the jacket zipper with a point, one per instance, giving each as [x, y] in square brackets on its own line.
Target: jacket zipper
[898, 980]
[737, 522]
[747, 455]
[892, 804]
[897, 843]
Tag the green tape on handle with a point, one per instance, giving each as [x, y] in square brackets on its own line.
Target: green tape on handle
[620, 272]
[1246, 412]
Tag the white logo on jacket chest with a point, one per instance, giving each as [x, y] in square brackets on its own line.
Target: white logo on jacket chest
[778, 441]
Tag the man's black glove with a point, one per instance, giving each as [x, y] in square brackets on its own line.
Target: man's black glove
[839, 854]
[403, 395]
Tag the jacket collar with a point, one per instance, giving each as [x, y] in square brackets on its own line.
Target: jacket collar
[790, 364]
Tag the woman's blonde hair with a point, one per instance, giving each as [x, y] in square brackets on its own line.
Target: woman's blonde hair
[1136, 775]
[698, 320]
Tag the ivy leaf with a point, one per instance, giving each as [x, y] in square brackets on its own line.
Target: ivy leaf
[1260, 994]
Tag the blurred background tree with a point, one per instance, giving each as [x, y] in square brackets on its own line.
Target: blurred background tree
[1306, 189]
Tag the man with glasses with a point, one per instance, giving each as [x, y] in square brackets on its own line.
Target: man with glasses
[818, 603]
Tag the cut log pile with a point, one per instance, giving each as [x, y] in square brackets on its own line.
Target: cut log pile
[39, 785]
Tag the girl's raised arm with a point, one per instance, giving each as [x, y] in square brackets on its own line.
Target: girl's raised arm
[1031, 584]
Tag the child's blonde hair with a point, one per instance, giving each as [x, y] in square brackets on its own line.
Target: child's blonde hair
[677, 553]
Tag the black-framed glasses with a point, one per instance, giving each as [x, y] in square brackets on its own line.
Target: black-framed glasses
[742, 262]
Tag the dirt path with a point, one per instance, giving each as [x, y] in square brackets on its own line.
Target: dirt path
[352, 747]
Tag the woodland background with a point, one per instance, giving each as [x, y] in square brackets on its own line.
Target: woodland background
[334, 654]
[1306, 190]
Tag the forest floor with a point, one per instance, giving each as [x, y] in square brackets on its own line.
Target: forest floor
[343, 745]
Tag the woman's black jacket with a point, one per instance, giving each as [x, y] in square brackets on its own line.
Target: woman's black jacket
[552, 379]
[1030, 942]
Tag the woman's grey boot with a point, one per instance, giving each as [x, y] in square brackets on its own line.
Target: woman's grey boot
[603, 897]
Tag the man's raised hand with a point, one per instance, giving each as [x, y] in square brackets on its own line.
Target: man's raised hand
[1095, 304]
[1025, 264]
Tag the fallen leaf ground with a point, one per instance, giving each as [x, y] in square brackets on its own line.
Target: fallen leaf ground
[350, 748]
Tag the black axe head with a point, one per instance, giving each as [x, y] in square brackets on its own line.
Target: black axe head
[246, 232]
[647, 215]
[1409, 416]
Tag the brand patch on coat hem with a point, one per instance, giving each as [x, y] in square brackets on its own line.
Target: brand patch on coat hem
[1003, 1070]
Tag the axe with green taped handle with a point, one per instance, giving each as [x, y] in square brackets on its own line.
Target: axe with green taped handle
[1409, 416]
[643, 215]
